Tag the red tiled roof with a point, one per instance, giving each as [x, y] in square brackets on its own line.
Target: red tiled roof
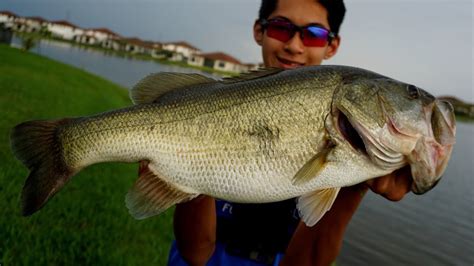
[138, 42]
[8, 13]
[184, 44]
[106, 31]
[221, 56]
[64, 23]
[39, 19]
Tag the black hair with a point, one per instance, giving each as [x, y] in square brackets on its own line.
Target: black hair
[335, 8]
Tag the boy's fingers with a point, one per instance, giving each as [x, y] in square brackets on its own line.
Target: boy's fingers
[394, 185]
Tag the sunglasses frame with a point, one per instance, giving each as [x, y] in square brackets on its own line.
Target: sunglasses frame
[295, 28]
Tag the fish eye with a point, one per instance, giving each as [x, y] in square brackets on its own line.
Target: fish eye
[413, 92]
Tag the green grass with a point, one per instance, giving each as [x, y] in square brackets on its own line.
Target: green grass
[87, 222]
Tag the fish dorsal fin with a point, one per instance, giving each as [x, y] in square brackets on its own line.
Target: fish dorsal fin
[254, 74]
[155, 85]
[314, 205]
[151, 195]
[314, 166]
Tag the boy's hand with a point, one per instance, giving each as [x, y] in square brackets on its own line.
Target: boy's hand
[392, 186]
[320, 244]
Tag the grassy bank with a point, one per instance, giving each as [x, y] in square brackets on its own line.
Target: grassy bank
[86, 223]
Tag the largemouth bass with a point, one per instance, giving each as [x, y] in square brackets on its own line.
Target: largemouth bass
[261, 137]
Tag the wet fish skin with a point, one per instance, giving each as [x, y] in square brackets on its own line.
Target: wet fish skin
[246, 139]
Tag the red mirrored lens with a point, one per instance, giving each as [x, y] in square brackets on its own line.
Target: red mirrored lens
[280, 30]
[315, 36]
[283, 31]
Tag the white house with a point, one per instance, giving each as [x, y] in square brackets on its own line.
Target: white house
[96, 36]
[180, 48]
[114, 44]
[64, 29]
[7, 17]
[196, 60]
[219, 61]
[31, 24]
[135, 45]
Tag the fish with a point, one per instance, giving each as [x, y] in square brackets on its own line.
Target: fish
[264, 136]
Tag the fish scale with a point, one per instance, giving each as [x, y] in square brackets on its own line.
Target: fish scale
[262, 137]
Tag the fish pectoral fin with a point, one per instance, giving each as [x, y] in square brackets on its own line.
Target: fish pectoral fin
[151, 195]
[152, 87]
[314, 205]
[314, 166]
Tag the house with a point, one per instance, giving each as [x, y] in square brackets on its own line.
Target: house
[7, 18]
[253, 67]
[180, 50]
[33, 24]
[64, 30]
[86, 38]
[135, 45]
[196, 60]
[114, 44]
[157, 50]
[96, 36]
[218, 61]
[102, 34]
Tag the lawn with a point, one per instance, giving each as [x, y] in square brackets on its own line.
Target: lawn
[87, 222]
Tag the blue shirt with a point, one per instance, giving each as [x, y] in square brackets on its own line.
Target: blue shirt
[249, 234]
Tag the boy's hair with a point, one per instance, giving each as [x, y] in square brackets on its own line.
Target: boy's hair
[336, 11]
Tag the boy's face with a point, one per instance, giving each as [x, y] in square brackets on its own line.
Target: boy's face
[293, 53]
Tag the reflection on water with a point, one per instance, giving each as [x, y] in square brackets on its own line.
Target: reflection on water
[433, 229]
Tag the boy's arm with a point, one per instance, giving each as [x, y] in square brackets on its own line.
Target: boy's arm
[195, 229]
[320, 244]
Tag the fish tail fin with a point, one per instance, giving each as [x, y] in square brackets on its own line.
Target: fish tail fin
[36, 144]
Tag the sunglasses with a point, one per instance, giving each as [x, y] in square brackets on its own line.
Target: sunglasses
[283, 30]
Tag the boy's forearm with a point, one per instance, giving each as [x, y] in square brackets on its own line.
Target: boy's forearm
[320, 244]
[195, 229]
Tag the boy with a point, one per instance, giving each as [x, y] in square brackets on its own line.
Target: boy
[271, 234]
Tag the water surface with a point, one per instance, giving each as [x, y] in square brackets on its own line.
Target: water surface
[125, 71]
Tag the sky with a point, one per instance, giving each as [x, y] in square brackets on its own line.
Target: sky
[428, 43]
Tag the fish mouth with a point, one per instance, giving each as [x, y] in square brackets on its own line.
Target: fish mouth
[431, 154]
[349, 132]
[366, 143]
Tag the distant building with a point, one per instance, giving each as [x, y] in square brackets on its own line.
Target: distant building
[64, 29]
[218, 61]
[252, 66]
[174, 51]
[180, 50]
[7, 18]
[114, 44]
[196, 60]
[96, 36]
[31, 24]
[135, 45]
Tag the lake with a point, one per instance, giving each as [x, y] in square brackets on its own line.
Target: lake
[433, 229]
[125, 71]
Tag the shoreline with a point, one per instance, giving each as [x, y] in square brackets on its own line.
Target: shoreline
[38, 37]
